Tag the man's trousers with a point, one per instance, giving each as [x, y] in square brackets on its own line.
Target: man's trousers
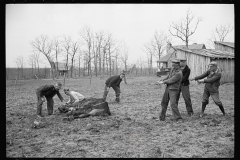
[170, 95]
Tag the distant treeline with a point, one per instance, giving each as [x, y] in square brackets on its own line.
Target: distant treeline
[44, 73]
[27, 73]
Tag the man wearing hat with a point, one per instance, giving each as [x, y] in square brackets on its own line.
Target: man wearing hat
[172, 81]
[211, 87]
[184, 86]
[114, 82]
[47, 91]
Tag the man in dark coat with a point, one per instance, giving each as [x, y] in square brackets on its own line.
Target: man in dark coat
[47, 91]
[114, 82]
[184, 86]
[173, 81]
[211, 87]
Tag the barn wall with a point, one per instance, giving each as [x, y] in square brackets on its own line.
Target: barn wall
[197, 63]
[223, 48]
[227, 68]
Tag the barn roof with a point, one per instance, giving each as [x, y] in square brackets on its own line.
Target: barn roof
[166, 57]
[199, 49]
[229, 44]
[193, 46]
[210, 53]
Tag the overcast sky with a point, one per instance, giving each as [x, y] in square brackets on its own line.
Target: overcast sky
[134, 24]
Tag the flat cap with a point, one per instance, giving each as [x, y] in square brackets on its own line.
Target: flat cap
[182, 59]
[176, 61]
[213, 63]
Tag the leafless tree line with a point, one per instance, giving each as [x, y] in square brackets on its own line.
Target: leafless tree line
[20, 64]
[34, 60]
[155, 47]
[98, 52]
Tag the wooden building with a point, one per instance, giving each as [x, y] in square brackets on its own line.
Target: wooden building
[198, 61]
[62, 68]
[224, 46]
[165, 60]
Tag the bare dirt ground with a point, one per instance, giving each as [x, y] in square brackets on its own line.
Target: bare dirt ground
[131, 131]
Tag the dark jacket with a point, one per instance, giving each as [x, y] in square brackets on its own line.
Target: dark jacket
[212, 81]
[48, 91]
[114, 81]
[186, 72]
[173, 79]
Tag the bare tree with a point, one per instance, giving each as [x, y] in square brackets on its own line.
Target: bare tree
[99, 36]
[158, 42]
[31, 62]
[95, 53]
[34, 61]
[113, 66]
[116, 56]
[44, 46]
[222, 32]
[140, 64]
[124, 56]
[101, 41]
[104, 56]
[87, 36]
[57, 49]
[110, 51]
[36, 57]
[84, 64]
[219, 34]
[66, 43]
[20, 64]
[150, 49]
[185, 28]
[113, 46]
[74, 47]
[79, 63]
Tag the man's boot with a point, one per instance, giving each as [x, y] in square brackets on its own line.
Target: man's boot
[203, 109]
[222, 109]
[39, 109]
[117, 98]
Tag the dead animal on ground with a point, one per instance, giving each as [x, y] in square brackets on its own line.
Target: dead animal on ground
[85, 108]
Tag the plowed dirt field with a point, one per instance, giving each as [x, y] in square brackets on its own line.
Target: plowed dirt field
[132, 131]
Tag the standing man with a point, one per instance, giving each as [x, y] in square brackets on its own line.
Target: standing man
[211, 87]
[184, 86]
[114, 82]
[173, 81]
[49, 91]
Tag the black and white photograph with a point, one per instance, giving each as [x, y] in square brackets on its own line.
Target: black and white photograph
[120, 80]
